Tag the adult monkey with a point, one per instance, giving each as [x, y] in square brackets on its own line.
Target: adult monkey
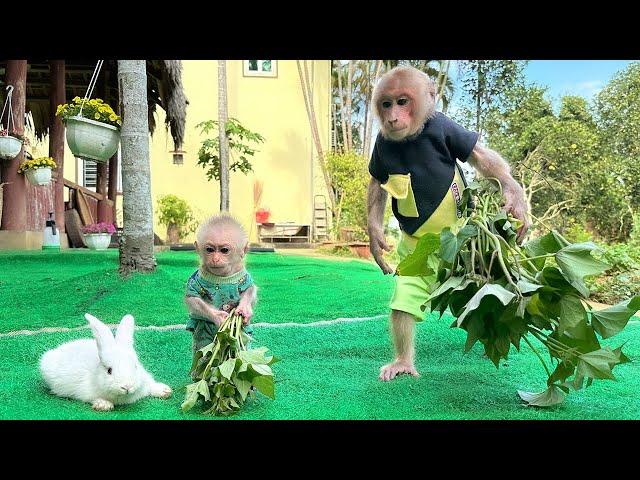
[414, 160]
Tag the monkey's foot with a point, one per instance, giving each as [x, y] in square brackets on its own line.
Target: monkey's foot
[160, 390]
[102, 405]
[391, 370]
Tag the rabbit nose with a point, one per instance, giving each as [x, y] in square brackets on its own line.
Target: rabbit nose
[127, 388]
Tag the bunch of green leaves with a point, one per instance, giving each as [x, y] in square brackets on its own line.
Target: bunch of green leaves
[239, 149]
[225, 373]
[502, 293]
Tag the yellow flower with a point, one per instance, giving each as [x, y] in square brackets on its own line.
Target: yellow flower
[97, 116]
[574, 146]
[551, 167]
[113, 117]
[77, 99]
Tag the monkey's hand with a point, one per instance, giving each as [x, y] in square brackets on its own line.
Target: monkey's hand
[245, 309]
[217, 316]
[515, 205]
[378, 245]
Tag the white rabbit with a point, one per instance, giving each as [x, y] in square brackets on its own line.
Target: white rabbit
[104, 371]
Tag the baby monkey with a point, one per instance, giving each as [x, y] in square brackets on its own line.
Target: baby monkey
[221, 283]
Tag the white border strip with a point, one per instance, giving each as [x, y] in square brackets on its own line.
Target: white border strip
[319, 323]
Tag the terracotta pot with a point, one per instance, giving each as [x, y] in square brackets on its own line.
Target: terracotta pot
[173, 234]
[362, 251]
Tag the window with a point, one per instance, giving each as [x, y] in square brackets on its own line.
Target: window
[90, 175]
[260, 68]
[87, 173]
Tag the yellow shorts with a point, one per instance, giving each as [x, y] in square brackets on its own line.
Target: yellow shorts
[410, 292]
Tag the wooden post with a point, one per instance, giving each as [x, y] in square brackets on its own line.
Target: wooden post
[101, 188]
[57, 97]
[102, 167]
[113, 184]
[14, 212]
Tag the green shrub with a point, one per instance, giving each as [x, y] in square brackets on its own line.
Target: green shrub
[622, 280]
[174, 212]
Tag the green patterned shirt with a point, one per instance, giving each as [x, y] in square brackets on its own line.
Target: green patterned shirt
[221, 292]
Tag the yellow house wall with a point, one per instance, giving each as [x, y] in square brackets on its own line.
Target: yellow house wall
[286, 162]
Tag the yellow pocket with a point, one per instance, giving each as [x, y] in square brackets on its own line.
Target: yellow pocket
[399, 186]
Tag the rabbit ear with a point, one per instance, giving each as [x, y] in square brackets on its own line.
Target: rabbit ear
[101, 332]
[124, 334]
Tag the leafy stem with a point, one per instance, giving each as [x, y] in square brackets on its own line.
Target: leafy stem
[524, 337]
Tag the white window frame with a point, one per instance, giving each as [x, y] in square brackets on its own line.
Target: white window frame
[259, 73]
[80, 163]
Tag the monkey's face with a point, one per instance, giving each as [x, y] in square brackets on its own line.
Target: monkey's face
[397, 112]
[404, 99]
[221, 252]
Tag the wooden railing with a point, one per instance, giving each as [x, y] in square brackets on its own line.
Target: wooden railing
[86, 202]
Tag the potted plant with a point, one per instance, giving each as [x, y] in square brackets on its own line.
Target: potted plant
[176, 214]
[38, 170]
[97, 236]
[92, 128]
[10, 145]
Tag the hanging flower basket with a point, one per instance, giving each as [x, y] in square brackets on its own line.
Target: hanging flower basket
[9, 146]
[92, 128]
[92, 140]
[39, 176]
[38, 170]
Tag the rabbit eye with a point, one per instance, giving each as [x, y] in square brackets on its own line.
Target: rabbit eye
[109, 370]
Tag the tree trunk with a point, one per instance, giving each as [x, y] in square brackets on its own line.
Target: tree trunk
[443, 86]
[366, 66]
[369, 128]
[136, 243]
[348, 106]
[224, 142]
[56, 137]
[335, 128]
[308, 103]
[342, 109]
[479, 95]
[14, 211]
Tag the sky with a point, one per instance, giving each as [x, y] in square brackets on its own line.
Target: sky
[571, 77]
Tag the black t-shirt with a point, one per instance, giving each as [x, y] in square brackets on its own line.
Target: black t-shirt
[430, 158]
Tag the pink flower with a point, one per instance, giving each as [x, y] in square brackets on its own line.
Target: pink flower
[101, 227]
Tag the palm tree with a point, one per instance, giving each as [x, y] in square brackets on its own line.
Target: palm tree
[224, 143]
[136, 243]
[307, 93]
[369, 116]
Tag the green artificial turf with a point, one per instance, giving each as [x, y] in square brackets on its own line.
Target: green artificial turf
[41, 289]
[326, 371]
